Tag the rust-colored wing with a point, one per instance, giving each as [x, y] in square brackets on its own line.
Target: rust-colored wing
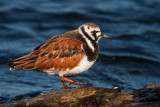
[59, 53]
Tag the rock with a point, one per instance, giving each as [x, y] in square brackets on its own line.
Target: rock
[89, 96]
[149, 94]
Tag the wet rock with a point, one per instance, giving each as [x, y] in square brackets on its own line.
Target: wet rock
[89, 96]
[149, 94]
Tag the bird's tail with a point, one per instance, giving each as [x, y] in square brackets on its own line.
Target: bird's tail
[26, 62]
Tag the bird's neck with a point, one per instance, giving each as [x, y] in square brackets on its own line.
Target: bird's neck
[91, 48]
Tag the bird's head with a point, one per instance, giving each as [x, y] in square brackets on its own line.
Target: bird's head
[91, 31]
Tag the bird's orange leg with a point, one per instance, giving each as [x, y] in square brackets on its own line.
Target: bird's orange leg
[63, 79]
[64, 84]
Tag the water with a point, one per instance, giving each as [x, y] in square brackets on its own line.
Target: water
[130, 60]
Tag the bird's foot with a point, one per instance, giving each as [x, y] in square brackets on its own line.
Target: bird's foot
[66, 87]
[63, 79]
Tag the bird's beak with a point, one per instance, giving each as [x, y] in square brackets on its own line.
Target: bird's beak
[105, 36]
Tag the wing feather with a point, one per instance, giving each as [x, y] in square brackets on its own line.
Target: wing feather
[68, 53]
[57, 53]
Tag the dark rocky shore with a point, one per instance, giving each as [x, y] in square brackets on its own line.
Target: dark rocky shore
[89, 96]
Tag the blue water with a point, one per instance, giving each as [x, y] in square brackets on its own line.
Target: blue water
[130, 60]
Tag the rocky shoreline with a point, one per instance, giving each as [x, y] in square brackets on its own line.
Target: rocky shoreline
[88, 96]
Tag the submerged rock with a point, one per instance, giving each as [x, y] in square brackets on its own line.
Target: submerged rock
[89, 96]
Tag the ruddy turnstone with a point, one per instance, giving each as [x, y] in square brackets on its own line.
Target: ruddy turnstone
[65, 54]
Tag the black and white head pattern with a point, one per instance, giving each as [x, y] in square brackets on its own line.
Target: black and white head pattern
[91, 33]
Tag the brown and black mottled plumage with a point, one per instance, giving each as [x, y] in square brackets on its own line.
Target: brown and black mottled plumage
[51, 53]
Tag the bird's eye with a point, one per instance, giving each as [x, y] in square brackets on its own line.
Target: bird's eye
[94, 32]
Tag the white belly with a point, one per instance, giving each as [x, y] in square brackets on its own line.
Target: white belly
[82, 66]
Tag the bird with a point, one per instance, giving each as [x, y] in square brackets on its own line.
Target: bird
[64, 54]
